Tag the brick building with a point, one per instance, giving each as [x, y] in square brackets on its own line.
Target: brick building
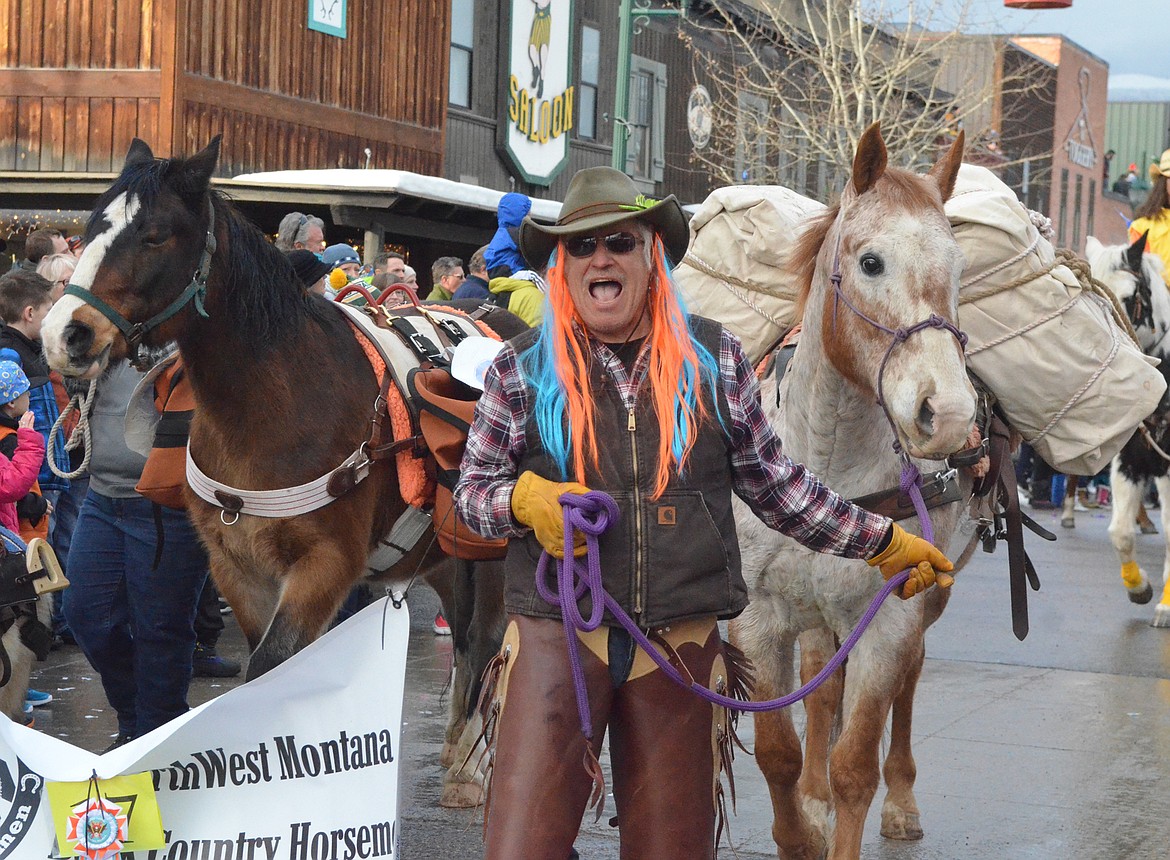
[1076, 202]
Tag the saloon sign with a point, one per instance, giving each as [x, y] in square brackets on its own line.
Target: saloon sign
[540, 111]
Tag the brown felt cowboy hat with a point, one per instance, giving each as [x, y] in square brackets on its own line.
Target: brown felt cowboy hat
[599, 197]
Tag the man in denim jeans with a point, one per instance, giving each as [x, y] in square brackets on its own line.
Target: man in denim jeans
[136, 570]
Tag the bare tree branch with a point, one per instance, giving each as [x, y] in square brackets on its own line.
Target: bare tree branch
[796, 82]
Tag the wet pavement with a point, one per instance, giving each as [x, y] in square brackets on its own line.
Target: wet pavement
[1056, 747]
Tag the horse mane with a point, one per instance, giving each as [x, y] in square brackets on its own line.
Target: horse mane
[259, 287]
[901, 188]
[804, 253]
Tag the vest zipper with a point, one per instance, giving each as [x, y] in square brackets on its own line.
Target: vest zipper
[632, 426]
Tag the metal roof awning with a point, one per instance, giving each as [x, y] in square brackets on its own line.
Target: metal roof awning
[391, 201]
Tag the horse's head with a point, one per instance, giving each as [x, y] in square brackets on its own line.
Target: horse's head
[147, 246]
[888, 245]
[1131, 273]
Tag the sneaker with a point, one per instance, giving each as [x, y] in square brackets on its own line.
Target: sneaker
[224, 607]
[35, 698]
[441, 627]
[120, 741]
[27, 718]
[207, 664]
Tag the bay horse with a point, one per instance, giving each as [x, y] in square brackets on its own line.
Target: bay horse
[1135, 278]
[898, 264]
[284, 393]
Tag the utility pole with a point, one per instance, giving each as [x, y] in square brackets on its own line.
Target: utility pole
[633, 16]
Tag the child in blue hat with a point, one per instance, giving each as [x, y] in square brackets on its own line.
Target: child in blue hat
[19, 463]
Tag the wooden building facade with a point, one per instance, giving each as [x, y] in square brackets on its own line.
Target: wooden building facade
[80, 78]
[662, 75]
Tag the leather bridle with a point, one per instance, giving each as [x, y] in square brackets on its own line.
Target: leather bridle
[195, 291]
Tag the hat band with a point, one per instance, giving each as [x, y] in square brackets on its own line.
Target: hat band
[599, 209]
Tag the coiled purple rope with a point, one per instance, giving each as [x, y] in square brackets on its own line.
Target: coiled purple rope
[591, 513]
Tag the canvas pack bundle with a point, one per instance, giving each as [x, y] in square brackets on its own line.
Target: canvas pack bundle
[735, 269]
[445, 409]
[1068, 377]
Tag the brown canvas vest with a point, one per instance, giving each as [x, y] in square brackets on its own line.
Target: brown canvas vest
[664, 560]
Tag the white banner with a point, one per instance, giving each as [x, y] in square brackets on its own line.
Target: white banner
[300, 764]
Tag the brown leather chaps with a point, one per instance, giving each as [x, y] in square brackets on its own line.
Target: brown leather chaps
[662, 743]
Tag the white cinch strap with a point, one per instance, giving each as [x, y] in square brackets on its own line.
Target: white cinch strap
[287, 502]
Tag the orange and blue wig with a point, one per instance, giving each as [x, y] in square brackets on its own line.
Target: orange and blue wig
[557, 368]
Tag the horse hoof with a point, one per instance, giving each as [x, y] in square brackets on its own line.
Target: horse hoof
[461, 795]
[906, 826]
[1161, 616]
[1148, 529]
[1068, 522]
[1145, 595]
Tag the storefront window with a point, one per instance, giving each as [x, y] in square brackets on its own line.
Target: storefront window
[462, 38]
[645, 147]
[590, 74]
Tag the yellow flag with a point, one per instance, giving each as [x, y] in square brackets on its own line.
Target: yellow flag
[101, 818]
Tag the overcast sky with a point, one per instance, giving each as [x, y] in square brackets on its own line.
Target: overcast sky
[1132, 36]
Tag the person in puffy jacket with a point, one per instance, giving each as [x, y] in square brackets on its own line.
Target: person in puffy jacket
[522, 294]
[502, 251]
[18, 474]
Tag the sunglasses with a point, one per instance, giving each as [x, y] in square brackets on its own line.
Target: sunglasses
[615, 243]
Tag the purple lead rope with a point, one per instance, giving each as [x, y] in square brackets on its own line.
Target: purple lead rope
[591, 514]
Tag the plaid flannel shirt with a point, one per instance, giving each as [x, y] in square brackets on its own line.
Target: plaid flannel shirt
[784, 494]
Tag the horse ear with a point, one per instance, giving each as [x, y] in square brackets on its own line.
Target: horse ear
[870, 161]
[139, 152]
[947, 168]
[1133, 254]
[190, 177]
[1092, 247]
[202, 164]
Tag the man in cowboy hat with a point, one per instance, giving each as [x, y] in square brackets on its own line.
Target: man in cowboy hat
[619, 390]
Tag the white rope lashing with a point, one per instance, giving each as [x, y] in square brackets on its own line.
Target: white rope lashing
[82, 435]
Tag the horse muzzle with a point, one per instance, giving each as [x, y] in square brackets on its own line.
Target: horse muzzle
[940, 427]
[78, 358]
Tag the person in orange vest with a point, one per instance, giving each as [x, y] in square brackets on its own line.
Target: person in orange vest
[22, 508]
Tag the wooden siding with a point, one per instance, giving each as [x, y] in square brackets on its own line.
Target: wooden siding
[79, 79]
[78, 34]
[391, 63]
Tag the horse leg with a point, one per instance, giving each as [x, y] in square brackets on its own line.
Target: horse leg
[314, 587]
[900, 815]
[1127, 498]
[1144, 523]
[853, 764]
[252, 597]
[478, 632]
[778, 751]
[820, 708]
[1068, 518]
[1162, 610]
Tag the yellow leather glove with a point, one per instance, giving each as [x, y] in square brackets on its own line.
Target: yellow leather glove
[907, 550]
[535, 504]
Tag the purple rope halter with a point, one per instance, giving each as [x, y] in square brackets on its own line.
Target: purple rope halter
[591, 514]
[910, 481]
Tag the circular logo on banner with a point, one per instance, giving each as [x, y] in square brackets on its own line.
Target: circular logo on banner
[97, 828]
[20, 797]
[699, 116]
